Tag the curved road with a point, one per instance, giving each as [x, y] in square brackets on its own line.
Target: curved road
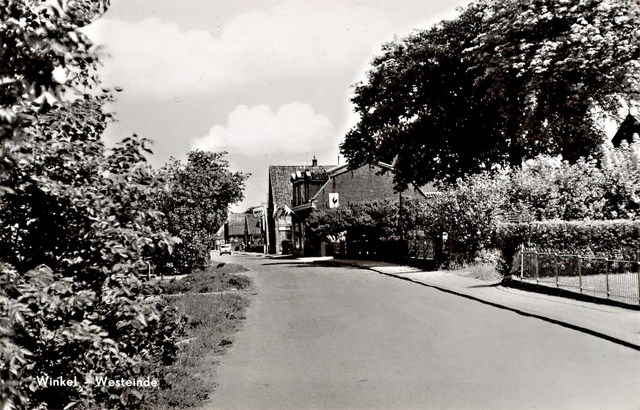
[327, 337]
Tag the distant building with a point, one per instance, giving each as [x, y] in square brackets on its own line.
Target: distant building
[279, 205]
[245, 231]
[234, 231]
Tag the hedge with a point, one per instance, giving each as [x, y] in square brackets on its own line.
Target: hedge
[619, 238]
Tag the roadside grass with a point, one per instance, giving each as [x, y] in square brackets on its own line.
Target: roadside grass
[481, 271]
[211, 320]
[216, 278]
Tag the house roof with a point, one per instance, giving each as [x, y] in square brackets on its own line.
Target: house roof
[628, 128]
[311, 174]
[280, 187]
[427, 191]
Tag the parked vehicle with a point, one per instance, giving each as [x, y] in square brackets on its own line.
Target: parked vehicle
[225, 248]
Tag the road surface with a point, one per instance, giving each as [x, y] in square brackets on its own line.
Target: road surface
[323, 337]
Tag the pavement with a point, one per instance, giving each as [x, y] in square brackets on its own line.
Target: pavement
[616, 324]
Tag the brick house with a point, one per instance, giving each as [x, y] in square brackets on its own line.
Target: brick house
[336, 187]
[280, 199]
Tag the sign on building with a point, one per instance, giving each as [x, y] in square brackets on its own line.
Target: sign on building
[334, 200]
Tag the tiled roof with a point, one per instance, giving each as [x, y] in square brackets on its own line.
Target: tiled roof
[281, 189]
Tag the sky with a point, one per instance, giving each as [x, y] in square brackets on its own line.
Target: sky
[268, 81]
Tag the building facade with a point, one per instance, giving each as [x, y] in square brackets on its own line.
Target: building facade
[340, 187]
[279, 222]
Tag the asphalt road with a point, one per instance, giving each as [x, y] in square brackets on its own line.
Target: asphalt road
[346, 338]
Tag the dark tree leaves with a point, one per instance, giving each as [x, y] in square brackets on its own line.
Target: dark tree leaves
[503, 82]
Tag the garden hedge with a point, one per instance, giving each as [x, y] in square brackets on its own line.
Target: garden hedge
[620, 238]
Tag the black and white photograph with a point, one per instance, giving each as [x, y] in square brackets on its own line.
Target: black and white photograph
[320, 204]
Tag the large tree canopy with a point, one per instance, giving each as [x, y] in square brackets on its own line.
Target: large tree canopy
[503, 82]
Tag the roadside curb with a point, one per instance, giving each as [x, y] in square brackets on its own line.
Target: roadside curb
[563, 323]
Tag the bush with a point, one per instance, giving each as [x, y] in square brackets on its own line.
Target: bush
[619, 238]
[77, 233]
[467, 212]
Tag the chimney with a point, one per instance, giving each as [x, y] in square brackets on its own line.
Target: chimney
[314, 162]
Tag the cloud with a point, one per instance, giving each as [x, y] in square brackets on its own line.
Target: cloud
[257, 130]
[291, 39]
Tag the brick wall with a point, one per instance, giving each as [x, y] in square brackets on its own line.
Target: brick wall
[361, 185]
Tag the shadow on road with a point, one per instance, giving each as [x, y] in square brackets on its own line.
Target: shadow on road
[314, 264]
[489, 285]
[332, 264]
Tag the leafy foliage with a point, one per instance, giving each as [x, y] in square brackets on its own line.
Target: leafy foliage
[612, 237]
[196, 204]
[503, 82]
[375, 220]
[79, 225]
[621, 169]
[43, 53]
[417, 106]
[542, 189]
[549, 188]
[467, 211]
[76, 237]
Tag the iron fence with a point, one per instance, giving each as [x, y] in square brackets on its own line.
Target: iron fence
[598, 276]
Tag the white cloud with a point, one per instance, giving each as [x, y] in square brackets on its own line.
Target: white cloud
[257, 130]
[291, 39]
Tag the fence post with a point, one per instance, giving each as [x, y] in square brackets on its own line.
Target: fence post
[580, 272]
[606, 274]
[521, 261]
[638, 273]
[537, 266]
[556, 257]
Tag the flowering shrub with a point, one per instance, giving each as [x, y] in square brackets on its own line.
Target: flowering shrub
[621, 169]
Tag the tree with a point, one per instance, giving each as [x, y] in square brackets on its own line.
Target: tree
[549, 65]
[196, 204]
[43, 53]
[76, 236]
[416, 107]
[503, 82]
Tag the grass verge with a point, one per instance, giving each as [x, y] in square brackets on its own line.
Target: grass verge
[210, 320]
[216, 278]
[481, 271]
